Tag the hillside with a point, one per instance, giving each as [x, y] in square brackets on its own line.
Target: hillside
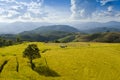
[110, 37]
[79, 61]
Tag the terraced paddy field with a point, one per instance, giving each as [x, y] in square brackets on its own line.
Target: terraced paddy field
[79, 61]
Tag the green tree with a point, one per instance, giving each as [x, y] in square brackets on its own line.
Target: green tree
[4, 42]
[1, 43]
[31, 52]
[10, 42]
[18, 39]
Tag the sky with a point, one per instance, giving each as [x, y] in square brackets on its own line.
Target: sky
[59, 10]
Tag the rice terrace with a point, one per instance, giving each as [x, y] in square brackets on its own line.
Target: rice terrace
[59, 39]
[78, 61]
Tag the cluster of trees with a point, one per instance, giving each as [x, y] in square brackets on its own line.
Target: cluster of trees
[61, 37]
[8, 42]
[4, 42]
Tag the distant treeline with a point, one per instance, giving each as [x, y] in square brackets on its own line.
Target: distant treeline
[8, 42]
[61, 37]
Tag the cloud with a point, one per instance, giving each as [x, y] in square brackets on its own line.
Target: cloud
[110, 8]
[32, 10]
[104, 2]
[82, 8]
[12, 9]
[7, 1]
[37, 10]
[95, 10]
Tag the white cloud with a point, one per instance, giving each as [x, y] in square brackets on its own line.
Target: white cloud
[15, 7]
[12, 13]
[1, 11]
[104, 2]
[26, 16]
[105, 16]
[35, 10]
[82, 8]
[55, 14]
[8, 1]
[94, 10]
[110, 8]
[11, 9]
[73, 8]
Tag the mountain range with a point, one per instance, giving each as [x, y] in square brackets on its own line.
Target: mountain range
[85, 27]
[50, 29]
[18, 27]
[63, 33]
[95, 27]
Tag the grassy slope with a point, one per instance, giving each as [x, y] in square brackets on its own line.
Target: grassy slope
[99, 61]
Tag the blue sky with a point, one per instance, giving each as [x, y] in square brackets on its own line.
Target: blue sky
[58, 3]
[59, 10]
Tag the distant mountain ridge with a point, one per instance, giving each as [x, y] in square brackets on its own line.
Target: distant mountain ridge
[18, 27]
[95, 27]
[85, 27]
[52, 32]
[53, 28]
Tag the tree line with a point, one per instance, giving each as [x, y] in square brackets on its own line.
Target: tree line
[8, 42]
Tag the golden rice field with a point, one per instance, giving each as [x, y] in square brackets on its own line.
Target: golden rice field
[79, 61]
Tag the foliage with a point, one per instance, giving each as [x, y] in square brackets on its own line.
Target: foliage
[62, 37]
[31, 52]
[4, 42]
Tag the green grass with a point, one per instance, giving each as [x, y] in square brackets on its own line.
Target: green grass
[79, 61]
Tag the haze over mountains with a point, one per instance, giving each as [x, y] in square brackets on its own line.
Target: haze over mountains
[35, 31]
[50, 29]
[86, 27]
[94, 27]
[17, 27]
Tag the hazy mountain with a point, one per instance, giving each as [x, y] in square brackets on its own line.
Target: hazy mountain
[50, 33]
[43, 33]
[51, 29]
[17, 27]
[85, 25]
[103, 29]
[94, 27]
[88, 27]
